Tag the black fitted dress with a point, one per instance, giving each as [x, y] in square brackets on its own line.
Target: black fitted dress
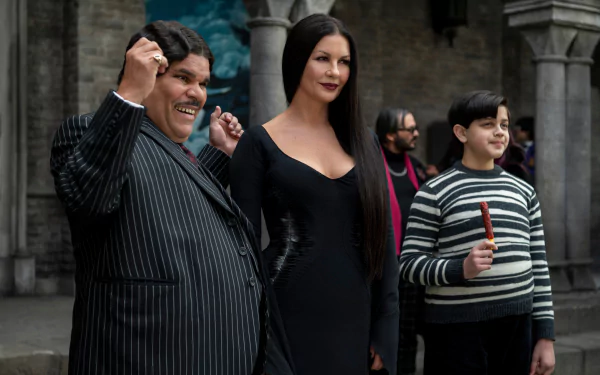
[331, 313]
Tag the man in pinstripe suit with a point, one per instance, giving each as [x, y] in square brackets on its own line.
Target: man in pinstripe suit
[169, 277]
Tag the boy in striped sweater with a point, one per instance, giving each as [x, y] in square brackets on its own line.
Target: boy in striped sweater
[488, 305]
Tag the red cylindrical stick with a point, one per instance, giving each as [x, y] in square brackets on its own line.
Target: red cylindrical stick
[487, 221]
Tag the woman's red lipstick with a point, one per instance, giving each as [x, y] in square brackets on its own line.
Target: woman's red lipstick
[330, 86]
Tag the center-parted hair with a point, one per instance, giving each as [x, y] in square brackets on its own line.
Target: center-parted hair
[175, 40]
[346, 119]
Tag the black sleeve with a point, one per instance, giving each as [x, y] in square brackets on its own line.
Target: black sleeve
[91, 154]
[247, 173]
[385, 313]
[217, 163]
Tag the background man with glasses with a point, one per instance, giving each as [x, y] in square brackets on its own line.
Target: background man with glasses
[398, 133]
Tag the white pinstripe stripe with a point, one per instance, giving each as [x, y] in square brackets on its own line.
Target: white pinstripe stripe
[148, 220]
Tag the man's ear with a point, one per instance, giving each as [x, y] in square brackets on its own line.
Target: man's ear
[390, 137]
[460, 132]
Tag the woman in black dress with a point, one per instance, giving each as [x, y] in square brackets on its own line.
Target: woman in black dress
[317, 173]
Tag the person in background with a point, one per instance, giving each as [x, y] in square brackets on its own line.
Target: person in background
[398, 133]
[524, 132]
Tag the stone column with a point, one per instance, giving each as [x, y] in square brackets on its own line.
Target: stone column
[267, 39]
[550, 27]
[578, 159]
[24, 261]
[304, 8]
[550, 47]
[8, 45]
[549, 43]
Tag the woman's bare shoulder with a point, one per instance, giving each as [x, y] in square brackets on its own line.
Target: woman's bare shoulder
[275, 124]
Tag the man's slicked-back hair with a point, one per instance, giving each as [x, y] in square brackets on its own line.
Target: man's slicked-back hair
[175, 40]
[473, 106]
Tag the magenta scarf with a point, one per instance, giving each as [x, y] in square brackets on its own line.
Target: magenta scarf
[394, 206]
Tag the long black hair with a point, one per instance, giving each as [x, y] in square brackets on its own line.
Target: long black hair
[346, 119]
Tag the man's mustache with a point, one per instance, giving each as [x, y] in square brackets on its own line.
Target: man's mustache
[193, 103]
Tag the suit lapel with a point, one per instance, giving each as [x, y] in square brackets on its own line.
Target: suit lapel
[199, 177]
[206, 181]
[246, 224]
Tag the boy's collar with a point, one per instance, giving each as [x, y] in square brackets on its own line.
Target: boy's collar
[488, 172]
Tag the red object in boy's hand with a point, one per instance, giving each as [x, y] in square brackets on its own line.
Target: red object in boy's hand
[487, 221]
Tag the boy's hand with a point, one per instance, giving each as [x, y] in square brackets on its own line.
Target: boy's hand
[479, 259]
[543, 362]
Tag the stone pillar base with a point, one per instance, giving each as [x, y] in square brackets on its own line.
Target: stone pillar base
[66, 285]
[582, 278]
[47, 286]
[560, 281]
[25, 276]
[7, 278]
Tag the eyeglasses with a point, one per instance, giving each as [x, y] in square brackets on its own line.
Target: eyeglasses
[410, 130]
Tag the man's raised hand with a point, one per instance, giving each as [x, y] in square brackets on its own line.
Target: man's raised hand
[143, 62]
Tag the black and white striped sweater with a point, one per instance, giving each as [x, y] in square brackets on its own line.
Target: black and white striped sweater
[445, 223]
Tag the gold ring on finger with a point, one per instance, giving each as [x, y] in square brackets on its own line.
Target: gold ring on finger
[158, 58]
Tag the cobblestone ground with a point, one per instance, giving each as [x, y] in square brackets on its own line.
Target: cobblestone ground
[35, 325]
[35, 331]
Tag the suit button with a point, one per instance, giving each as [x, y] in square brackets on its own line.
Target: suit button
[252, 281]
[243, 251]
[231, 222]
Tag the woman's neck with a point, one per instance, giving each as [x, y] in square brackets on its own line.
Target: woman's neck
[307, 111]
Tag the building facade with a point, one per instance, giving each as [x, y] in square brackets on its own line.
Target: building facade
[61, 57]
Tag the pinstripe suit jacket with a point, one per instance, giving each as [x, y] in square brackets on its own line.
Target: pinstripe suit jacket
[168, 278]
